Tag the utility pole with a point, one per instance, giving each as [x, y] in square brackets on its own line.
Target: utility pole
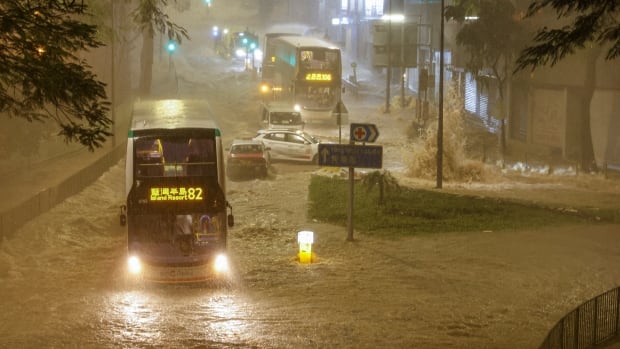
[402, 62]
[440, 114]
[112, 78]
[389, 59]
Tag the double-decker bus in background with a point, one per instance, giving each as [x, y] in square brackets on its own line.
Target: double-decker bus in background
[305, 71]
[176, 211]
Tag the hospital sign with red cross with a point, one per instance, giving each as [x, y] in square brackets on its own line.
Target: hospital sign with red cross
[366, 133]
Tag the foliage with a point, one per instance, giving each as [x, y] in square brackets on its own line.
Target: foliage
[491, 40]
[416, 211]
[41, 76]
[149, 16]
[594, 22]
[382, 179]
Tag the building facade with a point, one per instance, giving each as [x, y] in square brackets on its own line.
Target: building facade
[545, 108]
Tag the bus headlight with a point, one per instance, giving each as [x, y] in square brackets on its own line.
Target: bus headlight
[221, 264]
[134, 265]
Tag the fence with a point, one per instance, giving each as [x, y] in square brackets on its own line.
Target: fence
[592, 323]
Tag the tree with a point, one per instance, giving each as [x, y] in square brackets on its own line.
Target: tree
[595, 24]
[150, 17]
[491, 41]
[41, 76]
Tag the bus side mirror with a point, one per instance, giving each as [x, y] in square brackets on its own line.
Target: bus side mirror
[231, 220]
[123, 216]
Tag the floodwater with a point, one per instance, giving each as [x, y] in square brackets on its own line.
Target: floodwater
[63, 281]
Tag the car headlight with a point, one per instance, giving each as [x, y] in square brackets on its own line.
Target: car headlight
[134, 265]
[221, 264]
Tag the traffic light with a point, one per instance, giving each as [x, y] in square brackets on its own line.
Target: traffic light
[250, 41]
[171, 46]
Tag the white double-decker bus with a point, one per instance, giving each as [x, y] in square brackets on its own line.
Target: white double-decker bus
[304, 71]
[176, 211]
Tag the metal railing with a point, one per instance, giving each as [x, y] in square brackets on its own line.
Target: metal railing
[590, 324]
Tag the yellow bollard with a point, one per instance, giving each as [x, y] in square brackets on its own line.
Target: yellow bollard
[305, 238]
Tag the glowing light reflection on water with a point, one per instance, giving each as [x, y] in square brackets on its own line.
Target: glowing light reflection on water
[138, 318]
[229, 319]
[180, 316]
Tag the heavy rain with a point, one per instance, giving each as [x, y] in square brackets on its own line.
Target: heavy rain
[64, 280]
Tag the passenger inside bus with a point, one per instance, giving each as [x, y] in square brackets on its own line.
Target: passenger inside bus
[149, 158]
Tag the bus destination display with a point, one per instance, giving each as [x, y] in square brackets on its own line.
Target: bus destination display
[176, 194]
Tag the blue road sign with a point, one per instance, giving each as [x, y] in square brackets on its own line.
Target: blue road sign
[350, 155]
[364, 133]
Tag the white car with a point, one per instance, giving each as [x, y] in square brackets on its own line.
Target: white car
[294, 145]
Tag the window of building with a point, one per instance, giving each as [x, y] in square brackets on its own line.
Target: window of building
[373, 8]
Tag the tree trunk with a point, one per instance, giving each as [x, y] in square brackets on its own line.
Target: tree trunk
[587, 150]
[146, 64]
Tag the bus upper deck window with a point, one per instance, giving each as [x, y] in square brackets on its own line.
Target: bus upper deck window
[199, 154]
[200, 150]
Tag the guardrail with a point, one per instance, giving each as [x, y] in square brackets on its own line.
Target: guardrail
[593, 323]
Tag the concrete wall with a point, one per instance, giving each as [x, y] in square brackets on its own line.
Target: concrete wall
[14, 218]
[90, 169]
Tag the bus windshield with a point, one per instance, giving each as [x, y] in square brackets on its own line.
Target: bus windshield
[169, 155]
[319, 59]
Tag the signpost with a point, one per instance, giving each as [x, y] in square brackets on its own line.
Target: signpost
[352, 156]
[339, 111]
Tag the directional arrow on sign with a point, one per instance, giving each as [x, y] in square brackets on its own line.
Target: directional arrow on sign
[324, 154]
[364, 133]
